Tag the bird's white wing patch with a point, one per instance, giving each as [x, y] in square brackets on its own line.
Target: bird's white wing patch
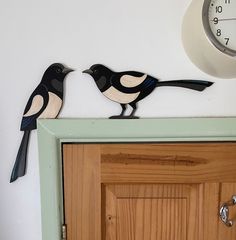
[53, 107]
[130, 81]
[36, 105]
[117, 96]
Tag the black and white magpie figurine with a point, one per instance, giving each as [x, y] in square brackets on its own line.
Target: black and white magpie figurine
[128, 88]
[45, 102]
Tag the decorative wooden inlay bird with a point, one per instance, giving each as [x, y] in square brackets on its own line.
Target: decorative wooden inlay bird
[45, 102]
[128, 88]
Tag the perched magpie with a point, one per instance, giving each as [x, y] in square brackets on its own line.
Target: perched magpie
[45, 102]
[128, 88]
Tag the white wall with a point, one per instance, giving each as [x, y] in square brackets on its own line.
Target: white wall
[142, 35]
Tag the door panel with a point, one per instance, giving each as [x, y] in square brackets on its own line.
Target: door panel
[148, 191]
[152, 211]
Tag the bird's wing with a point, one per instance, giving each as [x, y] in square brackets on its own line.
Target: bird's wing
[35, 106]
[133, 82]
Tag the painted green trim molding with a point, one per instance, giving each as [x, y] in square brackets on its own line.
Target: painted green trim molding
[51, 133]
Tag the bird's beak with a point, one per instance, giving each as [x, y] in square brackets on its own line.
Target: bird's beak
[88, 71]
[67, 70]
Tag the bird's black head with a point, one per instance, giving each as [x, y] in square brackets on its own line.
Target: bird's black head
[56, 71]
[98, 70]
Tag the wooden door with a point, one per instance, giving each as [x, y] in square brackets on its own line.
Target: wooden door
[148, 191]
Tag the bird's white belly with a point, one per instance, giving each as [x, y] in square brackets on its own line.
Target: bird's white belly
[53, 107]
[117, 96]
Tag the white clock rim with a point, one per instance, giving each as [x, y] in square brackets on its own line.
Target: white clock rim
[209, 33]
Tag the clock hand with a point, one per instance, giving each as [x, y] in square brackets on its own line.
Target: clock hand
[226, 19]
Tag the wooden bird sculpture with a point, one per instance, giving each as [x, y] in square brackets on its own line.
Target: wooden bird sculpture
[128, 88]
[45, 102]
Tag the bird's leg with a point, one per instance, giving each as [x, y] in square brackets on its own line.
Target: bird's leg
[134, 106]
[121, 114]
[123, 109]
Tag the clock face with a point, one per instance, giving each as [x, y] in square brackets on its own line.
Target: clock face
[219, 20]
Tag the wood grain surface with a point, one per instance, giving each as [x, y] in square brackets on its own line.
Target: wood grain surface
[172, 163]
[82, 191]
[148, 191]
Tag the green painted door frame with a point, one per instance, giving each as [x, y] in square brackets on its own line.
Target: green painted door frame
[52, 133]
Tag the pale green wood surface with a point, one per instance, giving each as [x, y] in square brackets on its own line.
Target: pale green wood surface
[51, 133]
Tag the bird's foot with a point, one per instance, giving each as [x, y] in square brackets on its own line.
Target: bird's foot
[123, 117]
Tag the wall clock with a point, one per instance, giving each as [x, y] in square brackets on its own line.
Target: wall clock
[219, 21]
[209, 36]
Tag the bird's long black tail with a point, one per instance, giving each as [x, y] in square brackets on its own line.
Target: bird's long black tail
[198, 85]
[20, 163]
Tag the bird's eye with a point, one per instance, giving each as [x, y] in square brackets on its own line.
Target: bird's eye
[58, 70]
[95, 71]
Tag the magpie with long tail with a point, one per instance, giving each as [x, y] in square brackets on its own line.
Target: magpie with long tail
[45, 102]
[128, 88]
